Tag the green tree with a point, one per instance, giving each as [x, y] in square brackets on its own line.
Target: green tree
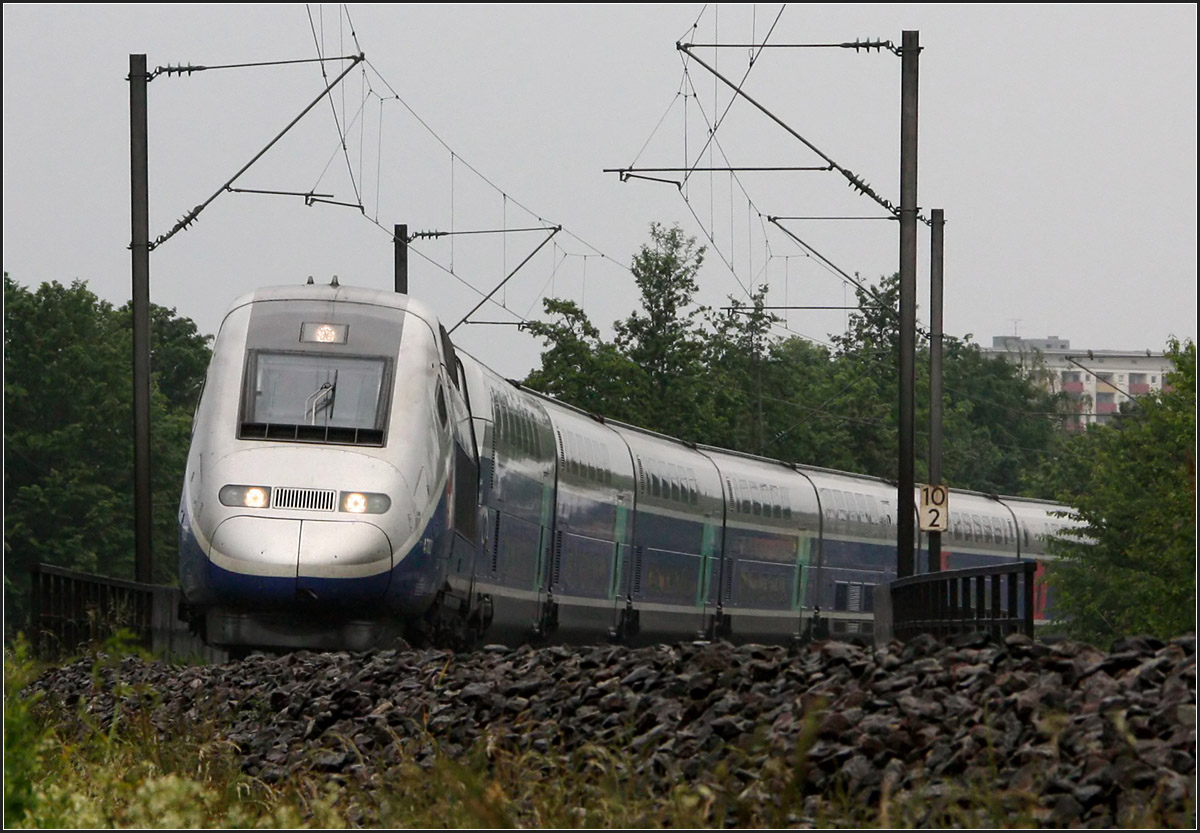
[665, 340]
[652, 373]
[579, 367]
[738, 363]
[1134, 571]
[68, 446]
[863, 385]
[800, 406]
[999, 422]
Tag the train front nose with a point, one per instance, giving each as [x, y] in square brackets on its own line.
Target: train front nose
[278, 561]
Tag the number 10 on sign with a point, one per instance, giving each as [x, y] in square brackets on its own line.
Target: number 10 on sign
[935, 508]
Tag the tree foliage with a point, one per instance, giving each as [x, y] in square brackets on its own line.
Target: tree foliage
[1133, 484]
[730, 380]
[68, 435]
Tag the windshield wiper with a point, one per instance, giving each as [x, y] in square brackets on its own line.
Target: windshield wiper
[320, 399]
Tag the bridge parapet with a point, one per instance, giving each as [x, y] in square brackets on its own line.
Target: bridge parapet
[72, 609]
[996, 600]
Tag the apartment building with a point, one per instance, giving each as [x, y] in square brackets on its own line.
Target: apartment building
[1097, 381]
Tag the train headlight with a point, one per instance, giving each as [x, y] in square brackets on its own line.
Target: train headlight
[365, 503]
[319, 332]
[251, 497]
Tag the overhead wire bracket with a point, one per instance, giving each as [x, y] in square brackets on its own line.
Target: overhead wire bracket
[553, 231]
[191, 216]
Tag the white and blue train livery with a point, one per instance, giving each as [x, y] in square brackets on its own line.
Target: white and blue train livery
[353, 478]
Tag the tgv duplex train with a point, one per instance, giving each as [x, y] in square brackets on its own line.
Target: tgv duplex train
[353, 478]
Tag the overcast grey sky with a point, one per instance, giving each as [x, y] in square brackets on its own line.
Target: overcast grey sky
[1059, 140]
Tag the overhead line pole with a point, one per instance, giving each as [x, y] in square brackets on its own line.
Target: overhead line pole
[936, 251]
[143, 562]
[906, 506]
[400, 244]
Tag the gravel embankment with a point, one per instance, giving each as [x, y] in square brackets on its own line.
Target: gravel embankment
[1087, 737]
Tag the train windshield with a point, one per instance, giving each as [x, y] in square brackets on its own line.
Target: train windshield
[311, 397]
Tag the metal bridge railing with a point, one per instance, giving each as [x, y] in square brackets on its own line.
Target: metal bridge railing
[996, 600]
[72, 609]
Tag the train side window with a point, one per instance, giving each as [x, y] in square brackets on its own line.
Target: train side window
[441, 405]
[196, 409]
[744, 491]
[860, 508]
[978, 524]
[885, 511]
[448, 354]
[839, 497]
[460, 374]
[655, 487]
[854, 597]
[755, 498]
[675, 484]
